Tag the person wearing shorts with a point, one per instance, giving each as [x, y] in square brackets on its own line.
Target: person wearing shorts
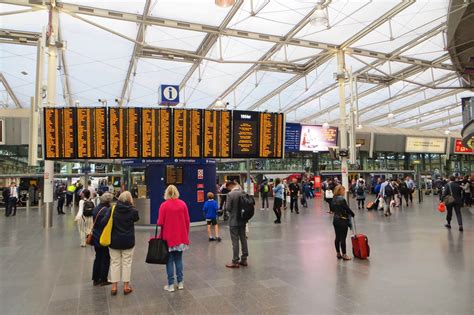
[210, 212]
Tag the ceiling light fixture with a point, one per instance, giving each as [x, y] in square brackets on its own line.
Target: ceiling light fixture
[24, 72]
[326, 125]
[225, 3]
[319, 17]
[390, 115]
[359, 126]
[447, 132]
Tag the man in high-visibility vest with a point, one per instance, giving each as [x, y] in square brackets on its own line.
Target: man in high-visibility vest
[69, 193]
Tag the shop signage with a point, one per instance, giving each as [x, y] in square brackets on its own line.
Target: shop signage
[459, 148]
[425, 145]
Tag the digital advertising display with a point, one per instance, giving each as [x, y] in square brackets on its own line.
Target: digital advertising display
[317, 138]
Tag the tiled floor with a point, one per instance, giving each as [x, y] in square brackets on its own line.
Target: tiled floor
[416, 267]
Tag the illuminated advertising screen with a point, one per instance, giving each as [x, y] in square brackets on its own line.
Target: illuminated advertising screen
[459, 148]
[317, 138]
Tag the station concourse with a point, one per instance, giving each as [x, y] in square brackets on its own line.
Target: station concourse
[236, 157]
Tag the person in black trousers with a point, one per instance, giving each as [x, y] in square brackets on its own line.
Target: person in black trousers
[294, 194]
[341, 221]
[452, 188]
[100, 270]
[61, 196]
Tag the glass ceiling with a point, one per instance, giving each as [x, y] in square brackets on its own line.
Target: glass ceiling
[257, 55]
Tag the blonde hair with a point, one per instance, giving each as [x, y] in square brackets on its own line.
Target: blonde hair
[210, 195]
[126, 197]
[171, 192]
[339, 191]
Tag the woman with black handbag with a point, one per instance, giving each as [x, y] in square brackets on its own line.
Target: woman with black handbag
[173, 217]
[341, 221]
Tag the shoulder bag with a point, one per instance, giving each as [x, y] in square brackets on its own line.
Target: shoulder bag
[158, 252]
[328, 194]
[106, 236]
[90, 236]
[449, 199]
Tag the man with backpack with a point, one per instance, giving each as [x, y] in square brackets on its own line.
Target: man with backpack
[387, 191]
[240, 207]
[264, 189]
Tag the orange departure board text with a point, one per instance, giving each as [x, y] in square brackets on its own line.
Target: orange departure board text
[124, 132]
[245, 138]
[271, 135]
[156, 133]
[216, 134]
[187, 133]
[92, 133]
[59, 133]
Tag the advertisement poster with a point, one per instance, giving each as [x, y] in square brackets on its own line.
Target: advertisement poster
[316, 138]
[200, 196]
[459, 148]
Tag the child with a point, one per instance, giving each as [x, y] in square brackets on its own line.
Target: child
[210, 212]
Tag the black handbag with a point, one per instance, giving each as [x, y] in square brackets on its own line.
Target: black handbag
[157, 250]
[449, 199]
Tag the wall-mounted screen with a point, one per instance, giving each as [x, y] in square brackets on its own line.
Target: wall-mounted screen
[124, 132]
[245, 140]
[271, 135]
[59, 133]
[292, 137]
[425, 145]
[156, 133]
[216, 134]
[92, 133]
[187, 133]
[317, 138]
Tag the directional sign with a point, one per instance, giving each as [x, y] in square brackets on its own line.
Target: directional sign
[169, 95]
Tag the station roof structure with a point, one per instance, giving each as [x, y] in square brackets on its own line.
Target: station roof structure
[275, 55]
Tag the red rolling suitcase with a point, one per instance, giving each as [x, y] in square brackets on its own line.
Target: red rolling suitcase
[360, 245]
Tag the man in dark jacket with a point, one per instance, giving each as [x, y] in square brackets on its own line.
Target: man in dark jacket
[6, 199]
[101, 266]
[452, 188]
[236, 226]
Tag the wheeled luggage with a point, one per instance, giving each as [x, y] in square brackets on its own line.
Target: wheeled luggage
[360, 244]
[372, 205]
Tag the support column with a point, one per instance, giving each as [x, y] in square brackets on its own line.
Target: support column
[36, 105]
[341, 80]
[51, 92]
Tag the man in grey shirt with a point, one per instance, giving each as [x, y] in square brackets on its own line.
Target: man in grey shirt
[236, 226]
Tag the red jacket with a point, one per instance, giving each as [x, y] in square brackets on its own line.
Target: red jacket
[174, 221]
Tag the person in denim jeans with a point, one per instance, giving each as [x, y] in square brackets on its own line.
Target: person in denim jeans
[174, 220]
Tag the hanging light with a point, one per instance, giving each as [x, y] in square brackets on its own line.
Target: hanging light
[390, 115]
[447, 132]
[319, 17]
[326, 125]
[359, 126]
[225, 3]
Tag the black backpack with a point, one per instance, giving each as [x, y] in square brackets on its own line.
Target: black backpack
[88, 208]
[388, 190]
[247, 207]
[360, 190]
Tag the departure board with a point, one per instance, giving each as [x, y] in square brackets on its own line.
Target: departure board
[124, 132]
[216, 134]
[59, 133]
[91, 133]
[271, 135]
[187, 133]
[245, 140]
[156, 133]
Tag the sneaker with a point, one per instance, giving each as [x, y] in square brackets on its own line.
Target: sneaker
[461, 229]
[262, 209]
[169, 288]
[211, 239]
[181, 286]
[219, 239]
[447, 226]
[232, 265]
[243, 263]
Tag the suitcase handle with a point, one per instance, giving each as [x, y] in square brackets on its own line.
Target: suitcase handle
[354, 224]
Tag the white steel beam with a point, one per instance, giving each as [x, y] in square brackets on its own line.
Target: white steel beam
[422, 115]
[15, 113]
[9, 90]
[132, 67]
[434, 121]
[67, 95]
[19, 37]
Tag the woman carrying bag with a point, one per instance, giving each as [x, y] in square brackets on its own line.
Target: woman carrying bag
[173, 218]
[341, 221]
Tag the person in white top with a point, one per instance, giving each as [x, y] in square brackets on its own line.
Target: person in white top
[12, 200]
[83, 217]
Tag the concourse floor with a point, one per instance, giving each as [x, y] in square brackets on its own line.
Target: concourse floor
[416, 267]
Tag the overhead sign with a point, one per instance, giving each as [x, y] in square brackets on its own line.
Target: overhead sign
[292, 137]
[271, 135]
[169, 95]
[187, 133]
[124, 132]
[245, 134]
[425, 145]
[156, 133]
[216, 134]
[59, 133]
[317, 138]
[92, 133]
[459, 148]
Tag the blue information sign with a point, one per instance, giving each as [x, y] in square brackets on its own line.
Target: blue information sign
[292, 137]
[169, 94]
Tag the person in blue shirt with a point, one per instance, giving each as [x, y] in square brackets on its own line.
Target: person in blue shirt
[278, 193]
[210, 212]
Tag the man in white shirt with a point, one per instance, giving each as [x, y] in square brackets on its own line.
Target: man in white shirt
[12, 199]
[411, 187]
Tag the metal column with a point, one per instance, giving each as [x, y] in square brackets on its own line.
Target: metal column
[36, 104]
[52, 68]
[341, 80]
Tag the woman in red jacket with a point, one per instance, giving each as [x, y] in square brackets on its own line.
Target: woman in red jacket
[174, 221]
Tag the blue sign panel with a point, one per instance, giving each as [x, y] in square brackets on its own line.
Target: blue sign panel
[169, 94]
[292, 137]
